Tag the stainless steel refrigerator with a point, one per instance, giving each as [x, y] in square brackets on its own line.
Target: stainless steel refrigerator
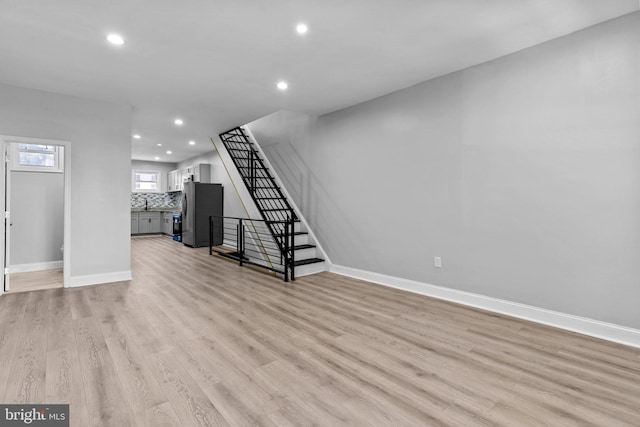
[199, 201]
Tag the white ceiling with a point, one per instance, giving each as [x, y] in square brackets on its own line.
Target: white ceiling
[215, 63]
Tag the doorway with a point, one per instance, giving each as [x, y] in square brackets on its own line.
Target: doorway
[35, 191]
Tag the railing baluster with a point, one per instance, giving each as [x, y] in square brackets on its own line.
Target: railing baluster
[252, 172]
[286, 253]
[293, 247]
[239, 238]
[282, 258]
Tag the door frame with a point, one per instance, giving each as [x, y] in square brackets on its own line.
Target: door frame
[66, 241]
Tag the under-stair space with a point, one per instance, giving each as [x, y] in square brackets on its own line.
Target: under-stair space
[286, 232]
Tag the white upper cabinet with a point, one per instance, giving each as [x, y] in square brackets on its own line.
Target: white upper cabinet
[196, 173]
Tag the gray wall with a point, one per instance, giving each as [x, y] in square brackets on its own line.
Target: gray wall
[100, 164]
[37, 217]
[521, 173]
[285, 139]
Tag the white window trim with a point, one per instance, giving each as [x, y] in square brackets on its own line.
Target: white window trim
[133, 181]
[15, 155]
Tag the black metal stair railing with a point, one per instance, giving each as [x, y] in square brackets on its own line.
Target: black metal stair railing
[247, 241]
[275, 209]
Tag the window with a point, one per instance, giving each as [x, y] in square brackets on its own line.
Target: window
[146, 182]
[36, 157]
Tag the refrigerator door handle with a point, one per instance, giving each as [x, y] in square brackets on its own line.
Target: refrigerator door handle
[184, 204]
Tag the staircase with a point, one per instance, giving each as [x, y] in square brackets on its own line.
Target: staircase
[268, 197]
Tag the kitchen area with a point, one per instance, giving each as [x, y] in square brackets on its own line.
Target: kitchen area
[174, 202]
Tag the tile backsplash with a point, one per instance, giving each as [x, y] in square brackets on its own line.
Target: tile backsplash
[157, 200]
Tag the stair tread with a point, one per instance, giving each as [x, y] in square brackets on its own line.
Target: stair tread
[298, 247]
[297, 233]
[300, 262]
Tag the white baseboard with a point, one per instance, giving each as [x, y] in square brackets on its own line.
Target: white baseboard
[97, 279]
[36, 266]
[595, 328]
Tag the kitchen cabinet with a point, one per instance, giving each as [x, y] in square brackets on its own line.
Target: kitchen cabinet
[167, 223]
[149, 222]
[152, 222]
[171, 177]
[134, 222]
[200, 172]
[174, 180]
[197, 173]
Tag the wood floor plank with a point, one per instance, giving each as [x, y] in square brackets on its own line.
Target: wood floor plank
[140, 386]
[189, 402]
[196, 340]
[11, 321]
[159, 416]
[206, 361]
[106, 404]
[79, 299]
[26, 380]
[36, 280]
[64, 382]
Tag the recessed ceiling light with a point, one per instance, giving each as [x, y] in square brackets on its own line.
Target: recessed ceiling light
[157, 158]
[168, 152]
[115, 39]
[136, 136]
[159, 145]
[282, 85]
[192, 143]
[301, 28]
[179, 122]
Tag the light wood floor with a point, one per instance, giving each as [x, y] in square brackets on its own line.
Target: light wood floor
[195, 340]
[36, 280]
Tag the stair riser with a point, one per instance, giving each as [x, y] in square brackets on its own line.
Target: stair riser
[306, 253]
[305, 270]
[301, 239]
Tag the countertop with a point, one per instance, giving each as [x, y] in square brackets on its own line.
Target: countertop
[165, 209]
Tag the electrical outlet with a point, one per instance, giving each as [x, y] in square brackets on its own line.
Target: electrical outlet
[437, 262]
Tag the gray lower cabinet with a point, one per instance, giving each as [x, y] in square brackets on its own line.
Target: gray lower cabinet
[149, 222]
[152, 223]
[134, 222]
[167, 223]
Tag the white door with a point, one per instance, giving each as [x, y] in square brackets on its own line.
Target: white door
[7, 215]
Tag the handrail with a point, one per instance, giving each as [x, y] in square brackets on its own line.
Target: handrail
[244, 207]
[253, 219]
[254, 253]
[262, 186]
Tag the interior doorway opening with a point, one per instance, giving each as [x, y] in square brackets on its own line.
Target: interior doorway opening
[36, 196]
